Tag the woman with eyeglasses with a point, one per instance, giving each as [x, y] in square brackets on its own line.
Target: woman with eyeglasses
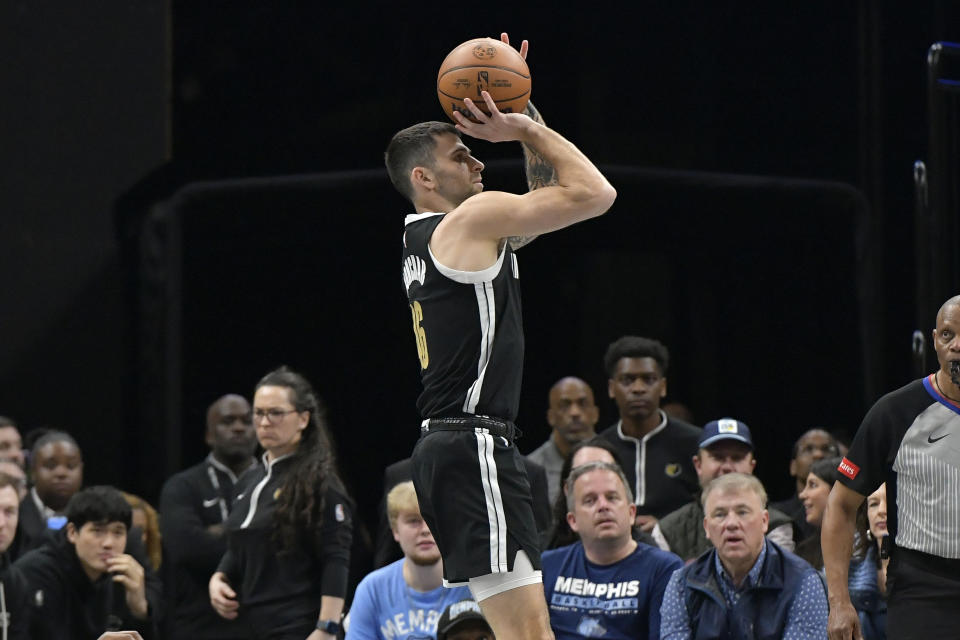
[284, 574]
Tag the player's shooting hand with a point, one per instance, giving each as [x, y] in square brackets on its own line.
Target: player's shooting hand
[496, 127]
[222, 597]
[128, 572]
[843, 623]
[524, 45]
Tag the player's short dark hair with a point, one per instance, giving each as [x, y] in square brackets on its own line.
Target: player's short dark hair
[47, 438]
[100, 505]
[826, 469]
[635, 347]
[7, 422]
[413, 147]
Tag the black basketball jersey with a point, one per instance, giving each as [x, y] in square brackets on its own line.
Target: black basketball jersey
[468, 327]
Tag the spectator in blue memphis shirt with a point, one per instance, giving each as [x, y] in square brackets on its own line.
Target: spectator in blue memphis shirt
[607, 584]
[404, 600]
[746, 586]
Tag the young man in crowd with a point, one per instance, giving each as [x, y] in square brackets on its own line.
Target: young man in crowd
[607, 584]
[194, 504]
[84, 582]
[725, 447]
[746, 586]
[403, 600]
[654, 447]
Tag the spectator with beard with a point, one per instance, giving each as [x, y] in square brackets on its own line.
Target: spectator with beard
[194, 505]
[404, 600]
[572, 416]
[654, 448]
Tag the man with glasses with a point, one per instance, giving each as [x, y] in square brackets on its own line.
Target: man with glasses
[193, 506]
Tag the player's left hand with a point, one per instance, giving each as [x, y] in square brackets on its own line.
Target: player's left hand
[130, 574]
[319, 635]
[524, 45]
[496, 127]
[121, 635]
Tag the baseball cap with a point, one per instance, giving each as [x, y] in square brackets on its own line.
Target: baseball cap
[457, 613]
[725, 429]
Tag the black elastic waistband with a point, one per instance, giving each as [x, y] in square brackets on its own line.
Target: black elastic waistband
[495, 426]
[945, 567]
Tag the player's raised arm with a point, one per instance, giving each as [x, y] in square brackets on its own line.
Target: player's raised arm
[581, 191]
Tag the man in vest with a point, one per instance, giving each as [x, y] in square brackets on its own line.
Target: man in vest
[725, 447]
[747, 586]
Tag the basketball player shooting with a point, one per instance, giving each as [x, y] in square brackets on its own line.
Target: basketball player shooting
[461, 276]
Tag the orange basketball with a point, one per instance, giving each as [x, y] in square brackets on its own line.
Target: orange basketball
[487, 65]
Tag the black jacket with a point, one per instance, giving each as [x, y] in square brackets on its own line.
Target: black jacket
[59, 602]
[279, 590]
[190, 502]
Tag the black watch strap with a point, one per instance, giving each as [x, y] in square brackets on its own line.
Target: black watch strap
[329, 626]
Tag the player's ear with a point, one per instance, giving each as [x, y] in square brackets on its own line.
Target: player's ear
[422, 176]
[663, 388]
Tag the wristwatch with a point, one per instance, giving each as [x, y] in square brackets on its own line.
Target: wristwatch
[329, 626]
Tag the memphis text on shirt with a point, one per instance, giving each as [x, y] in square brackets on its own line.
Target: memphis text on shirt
[580, 593]
[415, 620]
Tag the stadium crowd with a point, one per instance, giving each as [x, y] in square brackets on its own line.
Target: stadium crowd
[651, 528]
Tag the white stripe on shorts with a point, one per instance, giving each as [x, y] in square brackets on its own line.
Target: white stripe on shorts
[491, 491]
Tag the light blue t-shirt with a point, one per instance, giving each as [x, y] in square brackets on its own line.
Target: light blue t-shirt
[385, 607]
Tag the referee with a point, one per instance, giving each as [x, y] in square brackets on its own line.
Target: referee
[911, 439]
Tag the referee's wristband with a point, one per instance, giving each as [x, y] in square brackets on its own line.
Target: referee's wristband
[329, 626]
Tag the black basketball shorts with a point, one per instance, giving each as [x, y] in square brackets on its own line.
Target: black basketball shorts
[475, 497]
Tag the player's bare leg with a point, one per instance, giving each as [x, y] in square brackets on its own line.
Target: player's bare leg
[518, 614]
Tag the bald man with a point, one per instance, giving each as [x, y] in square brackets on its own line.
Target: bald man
[572, 416]
[909, 439]
[193, 506]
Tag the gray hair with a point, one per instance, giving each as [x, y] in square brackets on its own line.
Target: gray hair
[598, 465]
[735, 482]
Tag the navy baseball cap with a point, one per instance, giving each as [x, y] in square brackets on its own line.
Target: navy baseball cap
[456, 614]
[725, 429]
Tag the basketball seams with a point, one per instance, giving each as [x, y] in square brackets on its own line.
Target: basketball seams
[484, 66]
[498, 101]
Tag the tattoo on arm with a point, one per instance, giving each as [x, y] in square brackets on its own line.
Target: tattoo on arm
[540, 173]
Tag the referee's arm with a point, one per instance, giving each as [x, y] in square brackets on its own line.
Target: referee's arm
[836, 541]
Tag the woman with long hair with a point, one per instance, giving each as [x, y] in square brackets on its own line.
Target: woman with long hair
[867, 581]
[823, 473]
[288, 536]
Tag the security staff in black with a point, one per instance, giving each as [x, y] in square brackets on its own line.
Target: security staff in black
[462, 284]
[909, 439]
[194, 505]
